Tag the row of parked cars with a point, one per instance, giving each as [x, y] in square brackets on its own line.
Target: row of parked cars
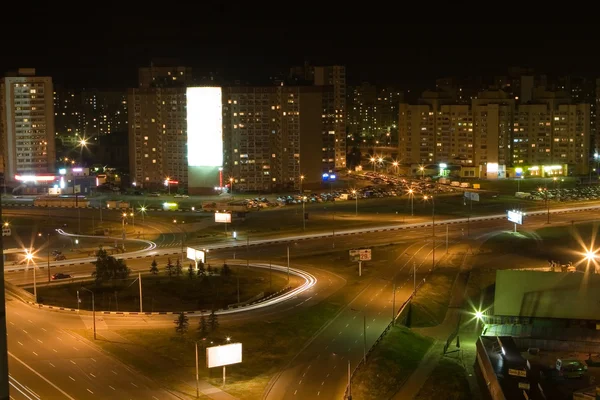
[582, 193]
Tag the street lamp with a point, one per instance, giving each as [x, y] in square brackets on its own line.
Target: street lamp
[412, 202]
[422, 169]
[93, 309]
[395, 164]
[545, 190]
[372, 159]
[301, 180]
[29, 259]
[183, 238]
[432, 229]
[304, 213]
[168, 184]
[380, 162]
[231, 186]
[355, 193]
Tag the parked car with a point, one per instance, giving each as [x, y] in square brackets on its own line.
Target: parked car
[60, 275]
[60, 257]
[154, 194]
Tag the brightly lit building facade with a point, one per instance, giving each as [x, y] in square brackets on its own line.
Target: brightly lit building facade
[335, 76]
[26, 124]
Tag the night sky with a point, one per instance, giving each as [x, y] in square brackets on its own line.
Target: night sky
[100, 50]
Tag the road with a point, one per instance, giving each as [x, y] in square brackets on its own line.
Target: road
[56, 364]
[320, 369]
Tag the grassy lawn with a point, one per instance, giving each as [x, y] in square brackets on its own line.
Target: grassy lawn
[162, 293]
[447, 381]
[391, 362]
[510, 186]
[429, 306]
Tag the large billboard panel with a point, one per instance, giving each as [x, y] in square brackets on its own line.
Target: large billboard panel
[223, 217]
[516, 217]
[360, 255]
[196, 255]
[218, 356]
[204, 127]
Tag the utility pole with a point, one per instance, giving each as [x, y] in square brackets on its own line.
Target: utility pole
[288, 264]
[93, 309]
[238, 289]
[414, 277]
[48, 254]
[365, 339]
[197, 377]
[446, 239]
[248, 251]
[140, 282]
[349, 382]
[394, 304]
[4, 395]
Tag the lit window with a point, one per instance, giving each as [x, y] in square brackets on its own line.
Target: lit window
[153, 161]
[145, 155]
[153, 120]
[145, 137]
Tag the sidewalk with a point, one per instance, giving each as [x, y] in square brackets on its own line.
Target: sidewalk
[151, 358]
[441, 332]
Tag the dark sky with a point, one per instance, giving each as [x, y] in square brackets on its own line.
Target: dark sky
[101, 50]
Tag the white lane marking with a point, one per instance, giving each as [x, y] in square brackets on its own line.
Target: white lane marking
[73, 379]
[300, 383]
[322, 383]
[155, 398]
[25, 332]
[12, 323]
[73, 362]
[34, 353]
[92, 375]
[133, 384]
[30, 321]
[20, 343]
[40, 341]
[318, 393]
[113, 372]
[44, 329]
[59, 338]
[111, 387]
[53, 366]
[347, 325]
[90, 391]
[93, 359]
[295, 391]
[78, 349]
[55, 350]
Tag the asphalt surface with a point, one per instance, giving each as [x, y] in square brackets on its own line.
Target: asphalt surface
[319, 370]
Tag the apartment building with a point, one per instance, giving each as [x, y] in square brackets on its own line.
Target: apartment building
[157, 136]
[275, 135]
[27, 124]
[335, 76]
[494, 130]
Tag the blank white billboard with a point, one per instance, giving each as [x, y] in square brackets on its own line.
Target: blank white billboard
[223, 217]
[196, 255]
[219, 356]
[204, 127]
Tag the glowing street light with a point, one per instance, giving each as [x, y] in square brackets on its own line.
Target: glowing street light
[231, 185]
[479, 315]
[422, 169]
[412, 202]
[356, 200]
[301, 180]
[372, 159]
[590, 255]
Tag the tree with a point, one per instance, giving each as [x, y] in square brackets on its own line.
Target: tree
[226, 271]
[178, 268]
[201, 270]
[169, 267]
[154, 267]
[191, 271]
[209, 270]
[203, 326]
[109, 268]
[181, 323]
[213, 321]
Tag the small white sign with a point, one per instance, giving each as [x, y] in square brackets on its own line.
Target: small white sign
[360, 255]
[196, 255]
[516, 217]
[218, 356]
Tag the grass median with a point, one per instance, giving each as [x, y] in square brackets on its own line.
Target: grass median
[390, 364]
[429, 306]
[164, 293]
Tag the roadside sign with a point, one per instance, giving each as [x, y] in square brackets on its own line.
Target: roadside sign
[360, 255]
[517, 372]
[472, 196]
[223, 217]
[515, 216]
[524, 385]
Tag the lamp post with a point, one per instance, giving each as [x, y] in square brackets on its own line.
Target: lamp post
[380, 161]
[231, 185]
[304, 213]
[93, 309]
[168, 185]
[48, 255]
[422, 169]
[355, 193]
[432, 230]
[124, 216]
[301, 180]
[395, 164]
[29, 258]
[411, 193]
[183, 238]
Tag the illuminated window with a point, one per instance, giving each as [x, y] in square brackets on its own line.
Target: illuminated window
[153, 120]
[153, 161]
[145, 137]
[145, 155]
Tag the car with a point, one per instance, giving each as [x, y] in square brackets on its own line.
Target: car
[60, 257]
[154, 194]
[60, 275]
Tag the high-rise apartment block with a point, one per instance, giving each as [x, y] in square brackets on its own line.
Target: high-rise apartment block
[276, 135]
[495, 132]
[336, 76]
[157, 136]
[373, 114]
[26, 124]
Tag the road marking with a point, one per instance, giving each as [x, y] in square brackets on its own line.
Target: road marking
[34, 353]
[155, 397]
[300, 383]
[73, 362]
[347, 325]
[40, 341]
[373, 319]
[340, 333]
[20, 343]
[327, 376]
[90, 391]
[113, 372]
[295, 391]
[55, 350]
[78, 349]
[59, 338]
[93, 359]
[53, 366]
[25, 332]
[92, 375]
[133, 384]
[12, 323]
[318, 393]
[30, 321]
[73, 379]
[354, 317]
[44, 329]
[322, 383]
[111, 387]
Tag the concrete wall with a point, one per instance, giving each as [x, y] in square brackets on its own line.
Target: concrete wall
[493, 386]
